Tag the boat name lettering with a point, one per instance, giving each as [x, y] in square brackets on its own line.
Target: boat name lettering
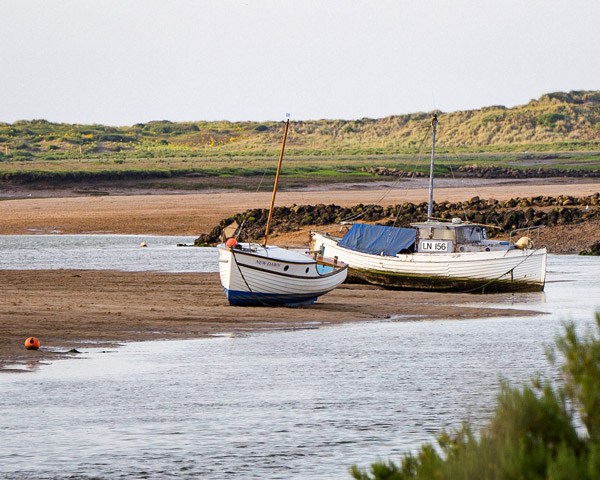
[265, 263]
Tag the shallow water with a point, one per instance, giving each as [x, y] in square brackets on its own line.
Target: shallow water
[300, 404]
[104, 252]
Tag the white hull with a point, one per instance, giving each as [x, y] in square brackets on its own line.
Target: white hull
[254, 275]
[504, 270]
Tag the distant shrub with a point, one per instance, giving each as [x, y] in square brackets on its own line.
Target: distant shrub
[21, 155]
[492, 117]
[550, 119]
[116, 137]
[561, 97]
[576, 97]
[591, 97]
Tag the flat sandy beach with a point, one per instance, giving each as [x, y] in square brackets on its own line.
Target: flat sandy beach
[70, 309]
[75, 309]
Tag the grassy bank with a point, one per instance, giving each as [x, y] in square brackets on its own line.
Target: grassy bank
[248, 171]
[559, 130]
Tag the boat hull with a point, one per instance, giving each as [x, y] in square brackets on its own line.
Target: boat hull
[396, 281]
[240, 298]
[473, 272]
[275, 277]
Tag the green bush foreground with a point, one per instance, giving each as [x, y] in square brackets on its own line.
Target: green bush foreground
[540, 431]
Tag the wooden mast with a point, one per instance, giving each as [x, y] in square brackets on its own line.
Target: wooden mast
[285, 132]
[434, 122]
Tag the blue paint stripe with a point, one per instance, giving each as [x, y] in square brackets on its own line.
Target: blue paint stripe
[247, 299]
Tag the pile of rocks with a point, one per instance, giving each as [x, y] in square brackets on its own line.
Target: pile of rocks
[506, 215]
[475, 171]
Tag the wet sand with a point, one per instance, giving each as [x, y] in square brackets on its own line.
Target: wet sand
[74, 309]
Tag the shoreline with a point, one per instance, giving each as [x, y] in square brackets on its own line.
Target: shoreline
[192, 214]
[70, 309]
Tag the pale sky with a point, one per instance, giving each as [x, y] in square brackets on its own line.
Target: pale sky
[120, 62]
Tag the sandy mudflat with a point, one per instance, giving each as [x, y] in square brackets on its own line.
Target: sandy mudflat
[68, 309]
[193, 214]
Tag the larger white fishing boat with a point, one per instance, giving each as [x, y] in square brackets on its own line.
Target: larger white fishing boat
[266, 275]
[436, 255]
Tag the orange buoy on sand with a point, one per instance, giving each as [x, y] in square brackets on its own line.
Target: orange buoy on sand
[32, 343]
[231, 242]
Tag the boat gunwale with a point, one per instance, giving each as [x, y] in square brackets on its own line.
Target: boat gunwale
[309, 261]
[289, 275]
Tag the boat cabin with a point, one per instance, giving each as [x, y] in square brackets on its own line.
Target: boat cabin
[455, 237]
[431, 237]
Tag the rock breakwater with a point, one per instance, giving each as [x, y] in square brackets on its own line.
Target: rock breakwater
[504, 215]
[475, 171]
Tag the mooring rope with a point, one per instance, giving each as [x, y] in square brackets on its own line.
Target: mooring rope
[244, 279]
[239, 230]
[482, 287]
[415, 162]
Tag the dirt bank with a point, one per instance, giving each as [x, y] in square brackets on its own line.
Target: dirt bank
[193, 214]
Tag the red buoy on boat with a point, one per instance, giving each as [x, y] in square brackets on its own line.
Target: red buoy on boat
[231, 242]
[32, 343]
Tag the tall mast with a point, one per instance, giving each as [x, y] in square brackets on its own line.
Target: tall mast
[287, 124]
[434, 122]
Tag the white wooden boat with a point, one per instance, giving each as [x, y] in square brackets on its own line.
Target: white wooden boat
[436, 255]
[253, 274]
[266, 275]
[438, 260]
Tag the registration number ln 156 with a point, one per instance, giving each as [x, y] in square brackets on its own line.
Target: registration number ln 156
[434, 246]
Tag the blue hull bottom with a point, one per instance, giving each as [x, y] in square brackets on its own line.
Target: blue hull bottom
[238, 298]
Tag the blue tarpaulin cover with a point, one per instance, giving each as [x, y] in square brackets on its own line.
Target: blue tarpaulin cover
[377, 239]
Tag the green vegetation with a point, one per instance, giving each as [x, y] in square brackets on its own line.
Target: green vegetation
[540, 431]
[556, 130]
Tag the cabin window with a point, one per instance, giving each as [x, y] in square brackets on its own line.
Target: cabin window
[433, 233]
[473, 234]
